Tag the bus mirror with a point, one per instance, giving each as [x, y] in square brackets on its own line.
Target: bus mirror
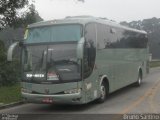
[10, 51]
[80, 48]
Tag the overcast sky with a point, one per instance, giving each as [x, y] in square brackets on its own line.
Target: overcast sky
[118, 10]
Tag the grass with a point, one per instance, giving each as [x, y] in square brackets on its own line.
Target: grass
[155, 63]
[10, 94]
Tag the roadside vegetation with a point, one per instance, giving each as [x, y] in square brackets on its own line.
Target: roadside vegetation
[155, 63]
[10, 94]
[12, 25]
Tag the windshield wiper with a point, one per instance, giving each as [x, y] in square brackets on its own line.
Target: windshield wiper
[52, 63]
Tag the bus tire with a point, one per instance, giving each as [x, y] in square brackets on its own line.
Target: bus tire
[104, 92]
[139, 81]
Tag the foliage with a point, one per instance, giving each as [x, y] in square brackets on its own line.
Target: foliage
[12, 34]
[2, 55]
[9, 11]
[155, 63]
[9, 72]
[29, 17]
[13, 31]
[10, 94]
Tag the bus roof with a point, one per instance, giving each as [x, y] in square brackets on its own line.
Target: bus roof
[83, 20]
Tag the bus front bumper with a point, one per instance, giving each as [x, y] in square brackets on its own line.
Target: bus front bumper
[75, 98]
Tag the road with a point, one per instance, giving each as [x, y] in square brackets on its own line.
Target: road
[143, 99]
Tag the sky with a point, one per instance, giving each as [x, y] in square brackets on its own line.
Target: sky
[118, 10]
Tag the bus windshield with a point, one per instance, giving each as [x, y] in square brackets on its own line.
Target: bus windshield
[54, 62]
[55, 33]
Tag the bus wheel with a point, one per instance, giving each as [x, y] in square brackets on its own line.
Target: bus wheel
[139, 81]
[104, 93]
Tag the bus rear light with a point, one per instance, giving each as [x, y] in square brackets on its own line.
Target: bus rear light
[52, 76]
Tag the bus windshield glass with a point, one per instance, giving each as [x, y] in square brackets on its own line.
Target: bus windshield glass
[55, 33]
[52, 62]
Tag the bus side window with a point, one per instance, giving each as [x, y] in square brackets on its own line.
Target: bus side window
[90, 49]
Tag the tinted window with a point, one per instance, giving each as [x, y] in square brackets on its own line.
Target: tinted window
[100, 36]
[129, 39]
[59, 59]
[90, 49]
[104, 36]
[110, 37]
[134, 40]
[62, 58]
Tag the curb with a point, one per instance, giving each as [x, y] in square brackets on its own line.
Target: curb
[11, 105]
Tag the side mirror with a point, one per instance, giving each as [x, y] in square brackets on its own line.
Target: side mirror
[80, 48]
[10, 51]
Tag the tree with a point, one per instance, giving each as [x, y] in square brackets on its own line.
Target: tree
[9, 11]
[28, 17]
[2, 55]
[15, 32]
[9, 72]
[13, 25]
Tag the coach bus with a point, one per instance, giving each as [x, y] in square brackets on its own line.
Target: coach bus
[80, 59]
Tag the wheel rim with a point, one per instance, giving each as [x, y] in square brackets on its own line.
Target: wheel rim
[139, 80]
[103, 92]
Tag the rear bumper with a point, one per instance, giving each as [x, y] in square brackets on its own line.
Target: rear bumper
[62, 98]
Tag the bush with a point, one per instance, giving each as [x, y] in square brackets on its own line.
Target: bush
[9, 71]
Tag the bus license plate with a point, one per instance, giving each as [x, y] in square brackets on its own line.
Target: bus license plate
[47, 100]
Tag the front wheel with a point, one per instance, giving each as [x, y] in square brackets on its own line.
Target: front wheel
[139, 81]
[103, 90]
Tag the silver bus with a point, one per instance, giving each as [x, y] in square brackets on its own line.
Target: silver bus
[77, 60]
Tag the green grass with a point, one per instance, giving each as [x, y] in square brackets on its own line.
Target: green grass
[155, 64]
[10, 94]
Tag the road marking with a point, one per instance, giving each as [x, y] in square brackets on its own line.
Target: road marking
[141, 99]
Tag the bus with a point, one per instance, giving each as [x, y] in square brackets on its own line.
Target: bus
[80, 59]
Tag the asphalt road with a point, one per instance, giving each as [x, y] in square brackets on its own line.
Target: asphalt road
[143, 99]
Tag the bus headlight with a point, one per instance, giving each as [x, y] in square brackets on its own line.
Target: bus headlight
[72, 91]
